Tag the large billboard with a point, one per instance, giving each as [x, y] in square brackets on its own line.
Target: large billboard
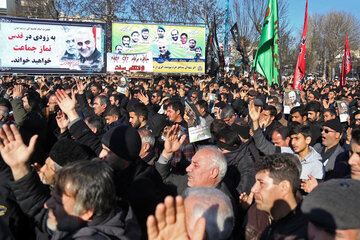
[175, 49]
[38, 46]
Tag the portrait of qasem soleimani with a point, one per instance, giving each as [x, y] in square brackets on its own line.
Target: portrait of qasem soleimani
[81, 46]
[71, 51]
[292, 99]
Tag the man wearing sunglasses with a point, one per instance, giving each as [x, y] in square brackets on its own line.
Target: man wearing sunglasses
[331, 133]
[89, 55]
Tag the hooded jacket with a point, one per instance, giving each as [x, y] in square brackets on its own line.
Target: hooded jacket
[123, 225]
[31, 195]
[240, 174]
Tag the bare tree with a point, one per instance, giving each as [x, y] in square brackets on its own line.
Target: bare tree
[327, 37]
[37, 8]
[185, 11]
[250, 18]
[247, 34]
[69, 8]
[107, 11]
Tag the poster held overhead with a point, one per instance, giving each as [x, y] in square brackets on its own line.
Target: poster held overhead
[197, 127]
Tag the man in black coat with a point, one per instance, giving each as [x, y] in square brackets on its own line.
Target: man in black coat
[29, 119]
[135, 181]
[83, 203]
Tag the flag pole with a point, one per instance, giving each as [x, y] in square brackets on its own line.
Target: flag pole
[226, 34]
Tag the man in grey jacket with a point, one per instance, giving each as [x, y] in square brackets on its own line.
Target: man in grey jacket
[300, 140]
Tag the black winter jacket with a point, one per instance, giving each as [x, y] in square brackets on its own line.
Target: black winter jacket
[31, 195]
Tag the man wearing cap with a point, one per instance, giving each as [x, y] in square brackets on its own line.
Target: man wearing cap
[240, 173]
[333, 210]
[135, 181]
[243, 131]
[330, 148]
[161, 32]
[63, 152]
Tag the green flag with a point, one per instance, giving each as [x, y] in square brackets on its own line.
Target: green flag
[266, 61]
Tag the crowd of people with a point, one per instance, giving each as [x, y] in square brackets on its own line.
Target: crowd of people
[83, 159]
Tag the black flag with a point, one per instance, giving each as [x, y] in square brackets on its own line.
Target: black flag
[213, 53]
[235, 34]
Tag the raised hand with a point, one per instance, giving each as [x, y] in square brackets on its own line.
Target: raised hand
[14, 152]
[18, 89]
[246, 200]
[80, 86]
[253, 112]
[309, 185]
[9, 91]
[143, 97]
[62, 121]
[243, 94]
[326, 104]
[172, 142]
[65, 103]
[169, 222]
[163, 100]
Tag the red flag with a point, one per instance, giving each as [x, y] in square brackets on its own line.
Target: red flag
[346, 65]
[300, 65]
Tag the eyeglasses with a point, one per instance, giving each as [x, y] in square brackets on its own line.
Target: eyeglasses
[162, 47]
[87, 42]
[193, 97]
[326, 130]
